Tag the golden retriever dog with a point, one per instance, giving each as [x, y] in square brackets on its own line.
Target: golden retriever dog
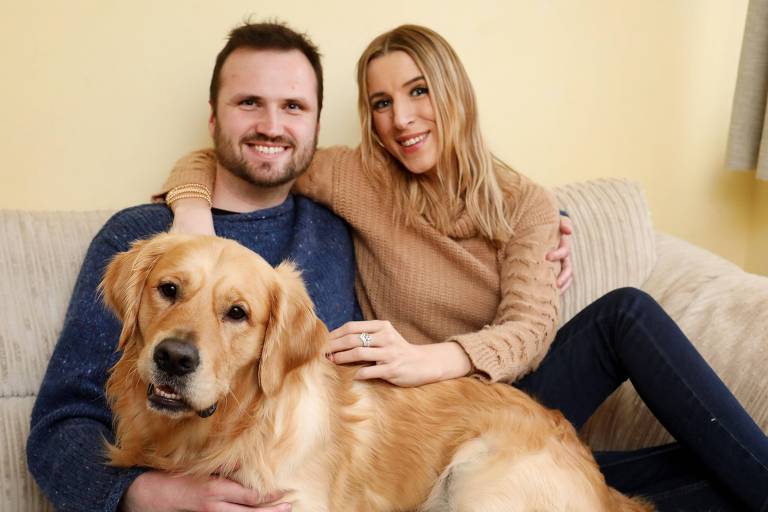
[223, 371]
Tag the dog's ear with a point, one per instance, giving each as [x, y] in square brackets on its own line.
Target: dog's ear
[125, 277]
[294, 335]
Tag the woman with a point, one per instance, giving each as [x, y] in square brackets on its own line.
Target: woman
[451, 250]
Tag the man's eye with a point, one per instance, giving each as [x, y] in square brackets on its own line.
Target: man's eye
[237, 313]
[168, 290]
[293, 106]
[248, 102]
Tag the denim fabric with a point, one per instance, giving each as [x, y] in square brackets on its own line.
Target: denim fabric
[669, 477]
[722, 454]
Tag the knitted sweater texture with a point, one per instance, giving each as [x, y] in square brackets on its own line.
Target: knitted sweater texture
[71, 418]
[498, 301]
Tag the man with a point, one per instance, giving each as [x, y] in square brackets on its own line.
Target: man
[266, 96]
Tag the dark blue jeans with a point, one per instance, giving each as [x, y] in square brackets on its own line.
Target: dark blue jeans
[720, 460]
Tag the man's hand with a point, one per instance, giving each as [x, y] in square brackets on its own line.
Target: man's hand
[156, 491]
[563, 255]
[192, 216]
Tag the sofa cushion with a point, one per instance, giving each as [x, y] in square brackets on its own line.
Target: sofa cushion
[18, 491]
[39, 260]
[40, 256]
[613, 242]
[722, 310]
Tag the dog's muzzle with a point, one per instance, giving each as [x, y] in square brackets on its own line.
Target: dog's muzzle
[174, 360]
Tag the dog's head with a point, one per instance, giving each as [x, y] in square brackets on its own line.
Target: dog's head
[203, 317]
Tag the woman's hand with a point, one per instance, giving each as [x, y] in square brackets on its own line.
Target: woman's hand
[563, 255]
[192, 216]
[395, 360]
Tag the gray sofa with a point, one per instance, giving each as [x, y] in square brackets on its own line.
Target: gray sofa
[723, 310]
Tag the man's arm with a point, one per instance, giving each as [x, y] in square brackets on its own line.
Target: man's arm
[71, 419]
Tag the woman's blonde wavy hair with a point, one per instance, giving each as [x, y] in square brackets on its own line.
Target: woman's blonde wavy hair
[469, 176]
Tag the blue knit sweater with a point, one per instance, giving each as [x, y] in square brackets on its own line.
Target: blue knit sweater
[71, 417]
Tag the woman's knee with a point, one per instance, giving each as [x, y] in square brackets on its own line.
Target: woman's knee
[631, 306]
[633, 298]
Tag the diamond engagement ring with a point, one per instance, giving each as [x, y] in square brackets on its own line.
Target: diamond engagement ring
[366, 339]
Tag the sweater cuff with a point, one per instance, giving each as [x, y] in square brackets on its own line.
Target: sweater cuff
[120, 487]
[488, 363]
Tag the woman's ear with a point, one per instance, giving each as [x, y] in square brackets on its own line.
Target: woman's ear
[294, 335]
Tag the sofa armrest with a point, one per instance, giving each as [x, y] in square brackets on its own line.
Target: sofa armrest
[724, 312]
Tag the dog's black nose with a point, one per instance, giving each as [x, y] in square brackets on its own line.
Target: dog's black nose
[176, 357]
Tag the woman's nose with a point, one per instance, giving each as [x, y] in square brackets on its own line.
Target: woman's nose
[403, 114]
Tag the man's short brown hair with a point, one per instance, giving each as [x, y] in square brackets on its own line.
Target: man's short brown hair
[267, 36]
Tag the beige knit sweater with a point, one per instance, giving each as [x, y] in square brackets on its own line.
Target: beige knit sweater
[500, 303]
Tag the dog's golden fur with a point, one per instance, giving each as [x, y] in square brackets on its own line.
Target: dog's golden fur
[288, 419]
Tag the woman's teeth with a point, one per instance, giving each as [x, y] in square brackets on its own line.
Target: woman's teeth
[414, 140]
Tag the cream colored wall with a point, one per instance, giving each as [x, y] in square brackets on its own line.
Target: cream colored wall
[757, 260]
[100, 98]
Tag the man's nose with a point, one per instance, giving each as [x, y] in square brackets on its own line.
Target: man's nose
[269, 122]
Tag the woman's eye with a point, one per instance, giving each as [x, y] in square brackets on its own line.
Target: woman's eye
[419, 91]
[236, 313]
[168, 290]
[381, 104]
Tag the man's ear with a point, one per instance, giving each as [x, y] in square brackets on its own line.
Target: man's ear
[294, 335]
[212, 121]
[125, 277]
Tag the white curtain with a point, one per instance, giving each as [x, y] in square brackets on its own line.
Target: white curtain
[748, 137]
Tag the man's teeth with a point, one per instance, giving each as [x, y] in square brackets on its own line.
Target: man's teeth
[269, 150]
[414, 140]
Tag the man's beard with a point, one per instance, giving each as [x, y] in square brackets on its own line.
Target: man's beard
[263, 174]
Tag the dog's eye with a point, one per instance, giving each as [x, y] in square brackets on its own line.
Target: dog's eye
[236, 313]
[169, 290]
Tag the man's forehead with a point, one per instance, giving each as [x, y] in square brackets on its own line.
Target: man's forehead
[279, 67]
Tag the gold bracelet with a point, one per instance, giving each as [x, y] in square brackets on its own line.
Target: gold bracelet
[191, 187]
[188, 191]
[189, 195]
